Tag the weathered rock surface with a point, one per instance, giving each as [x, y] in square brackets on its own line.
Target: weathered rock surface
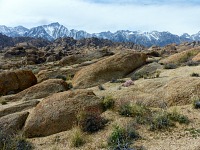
[15, 81]
[116, 66]
[58, 112]
[147, 69]
[54, 74]
[12, 123]
[196, 58]
[40, 90]
[6, 110]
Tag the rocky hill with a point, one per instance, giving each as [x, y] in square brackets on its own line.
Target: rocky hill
[55, 30]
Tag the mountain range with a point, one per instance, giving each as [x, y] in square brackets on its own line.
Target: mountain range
[55, 30]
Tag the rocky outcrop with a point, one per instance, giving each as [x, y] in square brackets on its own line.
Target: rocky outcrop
[58, 112]
[116, 66]
[40, 90]
[22, 106]
[11, 124]
[15, 81]
[146, 70]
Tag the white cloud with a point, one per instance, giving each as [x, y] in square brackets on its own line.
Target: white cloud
[97, 17]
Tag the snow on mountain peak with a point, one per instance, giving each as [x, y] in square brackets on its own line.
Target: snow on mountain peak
[55, 30]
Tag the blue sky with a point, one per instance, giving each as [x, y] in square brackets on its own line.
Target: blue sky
[176, 16]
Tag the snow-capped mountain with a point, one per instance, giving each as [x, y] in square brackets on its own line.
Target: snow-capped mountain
[13, 32]
[55, 30]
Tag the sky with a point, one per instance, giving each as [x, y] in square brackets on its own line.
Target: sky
[93, 16]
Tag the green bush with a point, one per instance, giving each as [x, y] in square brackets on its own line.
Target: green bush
[138, 75]
[175, 116]
[164, 120]
[121, 138]
[91, 121]
[192, 63]
[125, 109]
[141, 113]
[108, 103]
[77, 138]
[3, 102]
[161, 121]
[61, 77]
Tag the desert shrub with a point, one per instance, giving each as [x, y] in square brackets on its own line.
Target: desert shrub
[164, 120]
[196, 102]
[192, 63]
[170, 66]
[61, 77]
[108, 102]
[3, 102]
[194, 132]
[77, 138]
[157, 74]
[117, 81]
[125, 109]
[141, 113]
[23, 144]
[194, 74]
[139, 110]
[91, 121]
[177, 117]
[14, 142]
[161, 121]
[6, 142]
[70, 86]
[69, 77]
[121, 138]
[101, 87]
[138, 75]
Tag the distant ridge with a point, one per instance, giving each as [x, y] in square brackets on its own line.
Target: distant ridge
[55, 30]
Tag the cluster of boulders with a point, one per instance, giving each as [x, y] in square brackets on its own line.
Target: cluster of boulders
[53, 105]
[50, 106]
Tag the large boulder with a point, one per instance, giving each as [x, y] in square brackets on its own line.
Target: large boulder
[15, 81]
[58, 112]
[116, 66]
[40, 90]
[12, 123]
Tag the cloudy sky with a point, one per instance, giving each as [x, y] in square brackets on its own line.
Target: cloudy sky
[176, 16]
